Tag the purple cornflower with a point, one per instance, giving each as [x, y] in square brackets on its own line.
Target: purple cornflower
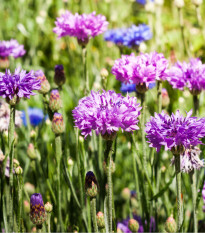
[191, 75]
[190, 160]
[203, 196]
[145, 68]
[11, 48]
[37, 209]
[106, 112]
[19, 84]
[82, 26]
[174, 131]
[135, 35]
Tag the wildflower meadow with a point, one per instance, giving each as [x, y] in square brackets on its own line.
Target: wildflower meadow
[102, 116]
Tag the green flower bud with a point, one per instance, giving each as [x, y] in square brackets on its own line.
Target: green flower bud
[133, 225]
[125, 194]
[55, 102]
[48, 207]
[19, 171]
[58, 126]
[170, 225]
[100, 220]
[31, 152]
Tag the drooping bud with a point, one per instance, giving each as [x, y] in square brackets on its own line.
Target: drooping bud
[179, 3]
[100, 220]
[197, 2]
[48, 207]
[165, 98]
[16, 163]
[59, 77]
[4, 62]
[19, 170]
[31, 152]
[26, 206]
[45, 86]
[91, 184]
[141, 88]
[55, 102]
[58, 126]
[106, 168]
[37, 209]
[104, 73]
[133, 225]
[29, 188]
[170, 225]
[125, 194]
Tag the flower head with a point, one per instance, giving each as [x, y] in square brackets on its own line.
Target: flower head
[174, 131]
[83, 27]
[190, 160]
[115, 35]
[11, 48]
[106, 112]
[45, 86]
[59, 77]
[36, 116]
[19, 84]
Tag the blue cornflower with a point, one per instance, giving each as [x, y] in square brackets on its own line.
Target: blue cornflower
[131, 87]
[36, 116]
[143, 2]
[115, 35]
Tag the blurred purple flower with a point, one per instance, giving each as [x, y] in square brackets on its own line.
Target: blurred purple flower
[174, 130]
[106, 112]
[11, 48]
[82, 26]
[203, 196]
[19, 83]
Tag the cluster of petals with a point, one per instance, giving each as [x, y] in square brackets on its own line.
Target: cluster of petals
[11, 48]
[175, 130]
[129, 37]
[106, 113]
[5, 116]
[190, 160]
[20, 84]
[190, 75]
[82, 26]
[145, 68]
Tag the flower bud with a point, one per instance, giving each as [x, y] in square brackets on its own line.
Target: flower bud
[58, 126]
[29, 188]
[106, 168]
[45, 86]
[100, 220]
[55, 102]
[104, 73]
[16, 163]
[141, 88]
[4, 62]
[15, 100]
[179, 3]
[133, 225]
[91, 184]
[26, 206]
[19, 170]
[48, 207]
[165, 98]
[125, 194]
[59, 77]
[33, 134]
[170, 225]
[31, 152]
[37, 209]
[197, 2]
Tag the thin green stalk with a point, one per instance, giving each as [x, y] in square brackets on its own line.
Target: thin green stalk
[194, 195]
[58, 147]
[5, 216]
[11, 157]
[159, 96]
[85, 74]
[49, 222]
[93, 214]
[196, 104]
[20, 199]
[179, 201]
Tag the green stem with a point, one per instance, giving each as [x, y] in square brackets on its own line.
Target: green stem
[20, 199]
[179, 201]
[194, 195]
[196, 104]
[49, 222]
[11, 157]
[93, 213]
[58, 147]
[85, 74]
[159, 96]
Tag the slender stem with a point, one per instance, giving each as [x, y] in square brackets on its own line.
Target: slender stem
[159, 96]
[49, 222]
[85, 74]
[58, 147]
[20, 199]
[93, 214]
[196, 104]
[179, 201]
[11, 157]
[194, 195]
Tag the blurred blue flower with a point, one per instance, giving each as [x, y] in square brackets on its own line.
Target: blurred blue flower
[135, 35]
[130, 87]
[115, 35]
[143, 2]
[36, 116]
